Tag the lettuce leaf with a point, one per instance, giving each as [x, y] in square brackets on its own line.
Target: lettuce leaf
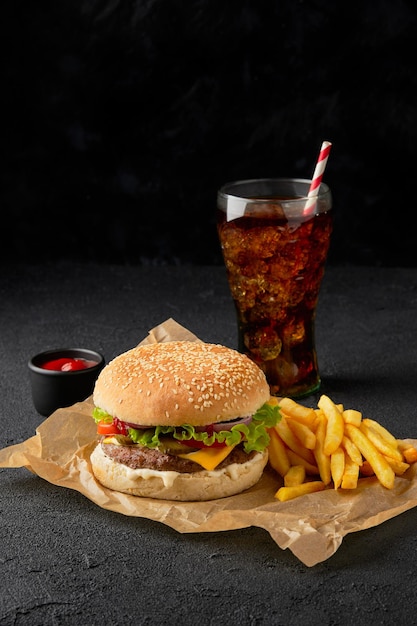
[254, 436]
[100, 415]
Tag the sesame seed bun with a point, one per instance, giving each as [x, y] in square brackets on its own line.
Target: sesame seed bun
[177, 382]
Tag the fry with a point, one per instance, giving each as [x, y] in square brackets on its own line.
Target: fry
[295, 459]
[335, 425]
[381, 467]
[295, 476]
[322, 460]
[303, 433]
[350, 474]
[351, 416]
[337, 467]
[366, 469]
[409, 452]
[278, 458]
[410, 455]
[383, 432]
[297, 411]
[352, 450]
[380, 443]
[286, 434]
[288, 493]
[399, 467]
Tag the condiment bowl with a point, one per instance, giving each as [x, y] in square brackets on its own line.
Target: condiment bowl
[56, 388]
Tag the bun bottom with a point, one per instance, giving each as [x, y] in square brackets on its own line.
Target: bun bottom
[198, 486]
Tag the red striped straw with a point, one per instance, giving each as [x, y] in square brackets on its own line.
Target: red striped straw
[317, 177]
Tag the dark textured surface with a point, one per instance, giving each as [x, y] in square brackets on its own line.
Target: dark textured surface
[121, 120]
[65, 561]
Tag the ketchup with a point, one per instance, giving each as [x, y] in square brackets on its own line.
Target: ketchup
[68, 364]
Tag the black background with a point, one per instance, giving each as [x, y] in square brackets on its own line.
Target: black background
[122, 118]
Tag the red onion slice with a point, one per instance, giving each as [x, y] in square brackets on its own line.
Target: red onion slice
[137, 426]
[229, 425]
[212, 427]
[225, 425]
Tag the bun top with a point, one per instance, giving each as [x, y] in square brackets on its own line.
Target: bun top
[180, 382]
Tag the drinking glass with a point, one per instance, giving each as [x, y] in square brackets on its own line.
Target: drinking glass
[275, 242]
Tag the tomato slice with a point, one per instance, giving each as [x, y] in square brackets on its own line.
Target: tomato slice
[107, 428]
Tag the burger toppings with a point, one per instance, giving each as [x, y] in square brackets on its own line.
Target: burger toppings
[206, 445]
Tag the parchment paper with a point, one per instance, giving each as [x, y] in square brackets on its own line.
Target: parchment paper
[312, 526]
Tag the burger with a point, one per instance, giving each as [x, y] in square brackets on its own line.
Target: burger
[181, 420]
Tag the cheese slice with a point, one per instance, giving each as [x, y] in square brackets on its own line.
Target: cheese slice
[209, 458]
[117, 440]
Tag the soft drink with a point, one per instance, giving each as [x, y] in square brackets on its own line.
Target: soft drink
[275, 257]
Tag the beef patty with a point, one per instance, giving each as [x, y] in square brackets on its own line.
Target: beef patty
[140, 457]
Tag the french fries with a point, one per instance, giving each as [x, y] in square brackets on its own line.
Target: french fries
[409, 453]
[278, 457]
[293, 443]
[378, 462]
[352, 451]
[295, 476]
[312, 449]
[297, 412]
[380, 442]
[304, 433]
[351, 416]
[322, 459]
[335, 425]
[295, 459]
[337, 466]
[289, 493]
[350, 475]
